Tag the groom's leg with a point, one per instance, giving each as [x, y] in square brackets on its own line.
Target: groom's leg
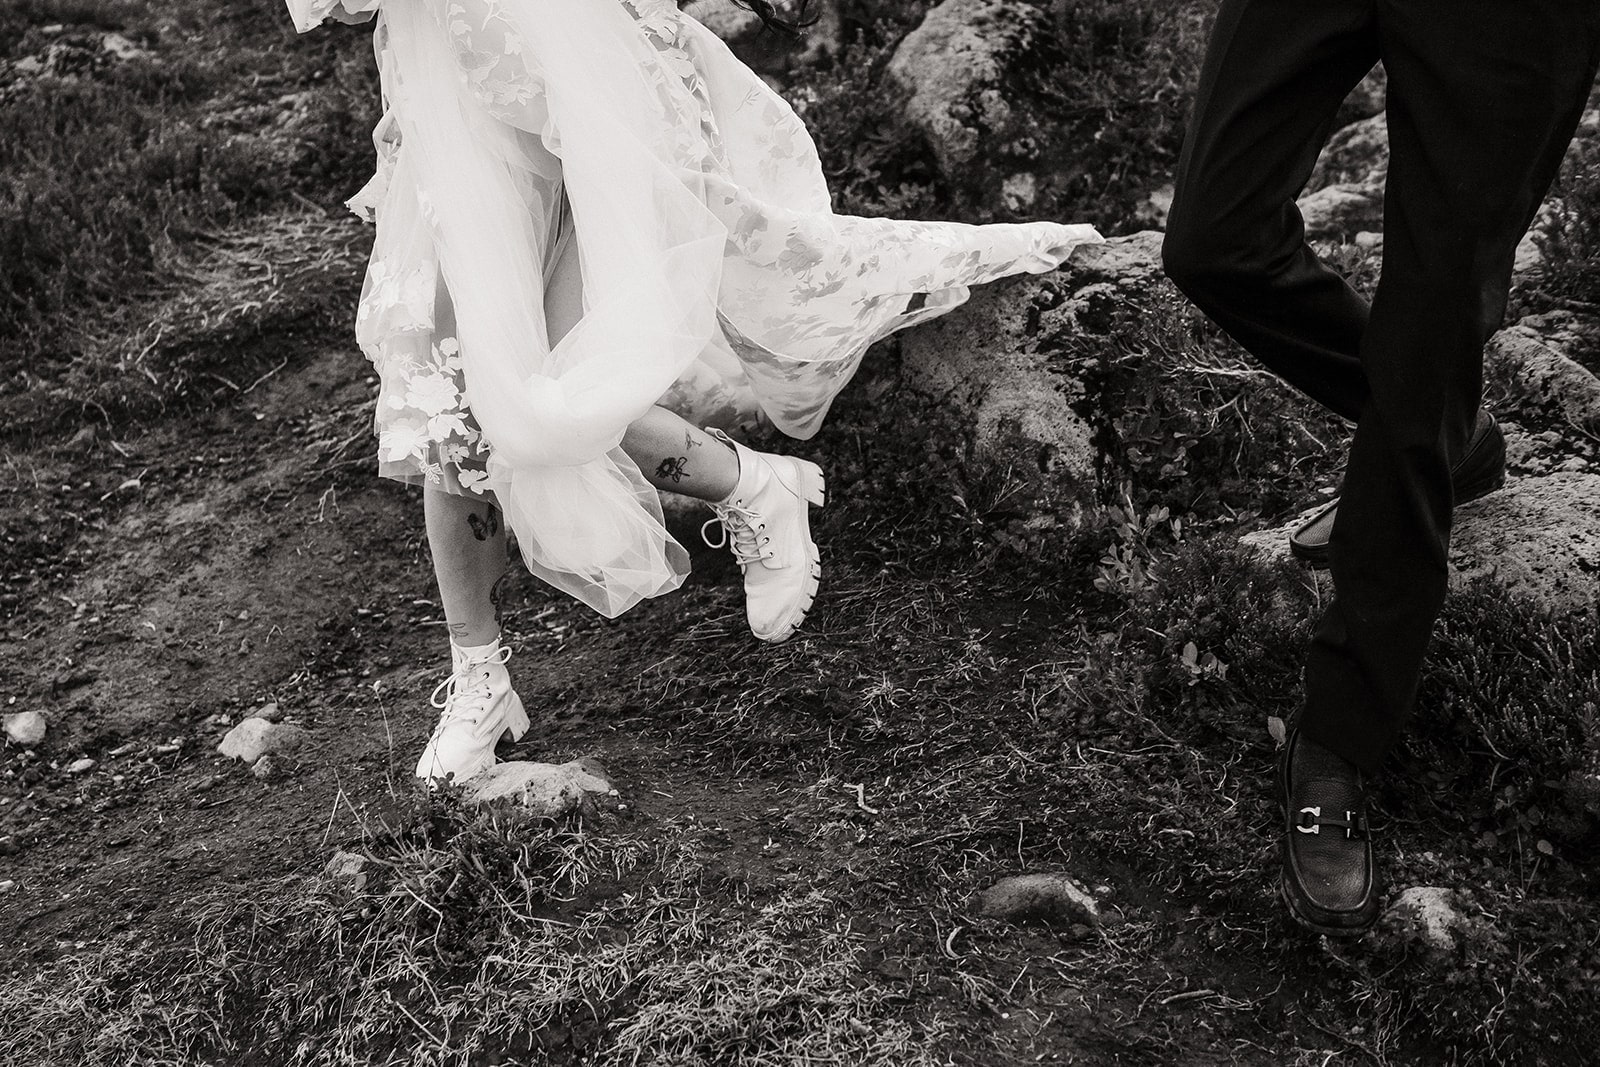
[1484, 96]
[1275, 73]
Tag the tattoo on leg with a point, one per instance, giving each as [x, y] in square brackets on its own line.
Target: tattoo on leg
[497, 598]
[689, 441]
[458, 630]
[674, 467]
[486, 527]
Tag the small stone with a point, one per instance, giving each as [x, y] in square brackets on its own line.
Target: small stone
[7, 886]
[80, 766]
[1056, 899]
[267, 768]
[1427, 914]
[270, 712]
[549, 789]
[255, 737]
[348, 867]
[26, 728]
[121, 47]
[1020, 191]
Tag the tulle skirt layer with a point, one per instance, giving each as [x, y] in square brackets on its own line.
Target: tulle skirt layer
[619, 147]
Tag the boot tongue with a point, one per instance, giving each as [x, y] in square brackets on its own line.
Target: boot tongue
[464, 658]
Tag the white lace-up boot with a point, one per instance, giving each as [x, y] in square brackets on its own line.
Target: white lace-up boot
[766, 523]
[478, 707]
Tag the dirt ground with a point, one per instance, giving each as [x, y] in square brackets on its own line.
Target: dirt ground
[222, 562]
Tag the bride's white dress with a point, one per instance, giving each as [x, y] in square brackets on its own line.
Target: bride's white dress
[622, 139]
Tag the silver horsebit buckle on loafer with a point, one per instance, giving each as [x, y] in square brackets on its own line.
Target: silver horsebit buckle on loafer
[1354, 823]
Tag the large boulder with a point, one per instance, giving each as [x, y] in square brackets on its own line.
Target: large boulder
[993, 360]
[1538, 538]
[950, 70]
[1358, 154]
[1367, 99]
[1342, 210]
[1538, 376]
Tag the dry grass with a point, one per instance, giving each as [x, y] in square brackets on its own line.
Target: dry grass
[473, 934]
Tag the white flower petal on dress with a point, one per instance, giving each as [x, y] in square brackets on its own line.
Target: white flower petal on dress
[476, 481]
[403, 440]
[432, 394]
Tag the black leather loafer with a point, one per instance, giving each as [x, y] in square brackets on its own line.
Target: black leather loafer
[1328, 878]
[1478, 473]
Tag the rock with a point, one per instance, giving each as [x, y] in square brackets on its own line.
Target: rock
[729, 21]
[1357, 154]
[347, 867]
[270, 712]
[269, 768]
[763, 51]
[1152, 212]
[1364, 101]
[1342, 210]
[1132, 262]
[549, 789]
[997, 360]
[7, 886]
[26, 728]
[1529, 257]
[950, 69]
[1538, 538]
[1050, 898]
[1272, 545]
[254, 738]
[122, 48]
[1571, 333]
[81, 766]
[980, 359]
[1428, 915]
[1019, 191]
[1537, 374]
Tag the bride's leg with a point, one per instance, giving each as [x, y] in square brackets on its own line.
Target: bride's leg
[468, 544]
[762, 500]
[682, 458]
[477, 703]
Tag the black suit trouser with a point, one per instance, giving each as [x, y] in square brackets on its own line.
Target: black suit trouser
[1483, 98]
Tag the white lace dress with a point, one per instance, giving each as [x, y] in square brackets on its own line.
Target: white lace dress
[621, 139]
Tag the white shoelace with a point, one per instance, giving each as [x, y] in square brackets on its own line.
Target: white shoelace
[463, 702]
[740, 532]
